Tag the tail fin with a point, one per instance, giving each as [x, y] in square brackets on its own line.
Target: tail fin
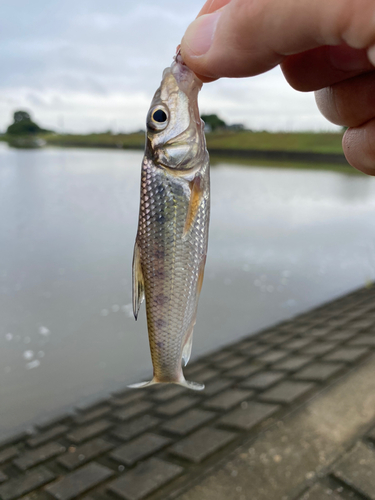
[185, 383]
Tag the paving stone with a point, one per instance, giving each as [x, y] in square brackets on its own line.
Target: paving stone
[293, 363]
[228, 399]
[245, 370]
[249, 415]
[14, 438]
[201, 444]
[128, 397]
[42, 438]
[215, 386]
[78, 482]
[135, 427]
[320, 492]
[205, 375]
[286, 392]
[39, 455]
[28, 482]
[3, 477]
[144, 479]
[92, 415]
[347, 354]
[84, 433]
[263, 380]
[139, 448]
[245, 344]
[83, 454]
[177, 406]
[345, 335]
[256, 350]
[357, 470]
[194, 368]
[296, 344]
[362, 324]
[278, 338]
[371, 434]
[363, 340]
[56, 420]
[132, 410]
[188, 422]
[273, 356]
[8, 454]
[168, 392]
[92, 402]
[230, 362]
[220, 356]
[319, 371]
[319, 331]
[320, 348]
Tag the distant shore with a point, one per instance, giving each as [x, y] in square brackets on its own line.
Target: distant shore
[303, 147]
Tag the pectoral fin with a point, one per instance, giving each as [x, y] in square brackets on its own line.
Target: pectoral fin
[196, 195]
[138, 282]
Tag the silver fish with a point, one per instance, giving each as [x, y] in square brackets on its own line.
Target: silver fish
[171, 243]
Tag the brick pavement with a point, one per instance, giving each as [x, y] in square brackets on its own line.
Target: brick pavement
[157, 442]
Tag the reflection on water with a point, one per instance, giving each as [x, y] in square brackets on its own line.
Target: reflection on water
[281, 241]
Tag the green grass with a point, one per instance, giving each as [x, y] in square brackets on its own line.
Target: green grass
[302, 141]
[135, 140]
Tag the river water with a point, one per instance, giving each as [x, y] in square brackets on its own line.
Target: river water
[281, 242]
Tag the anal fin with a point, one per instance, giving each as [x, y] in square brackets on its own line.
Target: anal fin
[138, 281]
[186, 351]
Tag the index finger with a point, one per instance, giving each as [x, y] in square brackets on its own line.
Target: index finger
[212, 6]
[247, 37]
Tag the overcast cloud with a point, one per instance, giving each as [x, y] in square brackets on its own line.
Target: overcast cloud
[91, 65]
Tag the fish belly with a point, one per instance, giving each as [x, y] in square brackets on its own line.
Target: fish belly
[172, 261]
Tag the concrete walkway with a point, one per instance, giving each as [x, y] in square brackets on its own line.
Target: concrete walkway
[287, 414]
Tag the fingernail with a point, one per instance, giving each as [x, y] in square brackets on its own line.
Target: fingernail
[371, 55]
[346, 58]
[200, 34]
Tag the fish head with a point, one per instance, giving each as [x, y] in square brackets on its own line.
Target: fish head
[175, 131]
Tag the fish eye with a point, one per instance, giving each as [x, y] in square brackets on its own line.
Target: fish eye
[158, 118]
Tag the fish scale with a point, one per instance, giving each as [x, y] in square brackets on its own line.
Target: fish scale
[171, 242]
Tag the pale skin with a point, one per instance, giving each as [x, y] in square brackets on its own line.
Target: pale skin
[326, 46]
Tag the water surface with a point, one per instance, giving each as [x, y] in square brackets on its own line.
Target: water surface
[281, 242]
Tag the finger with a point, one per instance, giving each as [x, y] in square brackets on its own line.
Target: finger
[248, 37]
[358, 144]
[324, 66]
[349, 103]
[211, 6]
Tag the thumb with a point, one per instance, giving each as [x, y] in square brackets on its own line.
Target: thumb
[248, 37]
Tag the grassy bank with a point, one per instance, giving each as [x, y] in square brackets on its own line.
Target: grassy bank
[243, 140]
[124, 141]
[267, 141]
[299, 165]
[294, 143]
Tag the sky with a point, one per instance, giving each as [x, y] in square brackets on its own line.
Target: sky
[93, 65]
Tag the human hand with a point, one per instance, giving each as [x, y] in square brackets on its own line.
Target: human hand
[322, 45]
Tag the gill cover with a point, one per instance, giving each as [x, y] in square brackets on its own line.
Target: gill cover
[175, 137]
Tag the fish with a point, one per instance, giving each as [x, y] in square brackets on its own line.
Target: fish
[171, 243]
